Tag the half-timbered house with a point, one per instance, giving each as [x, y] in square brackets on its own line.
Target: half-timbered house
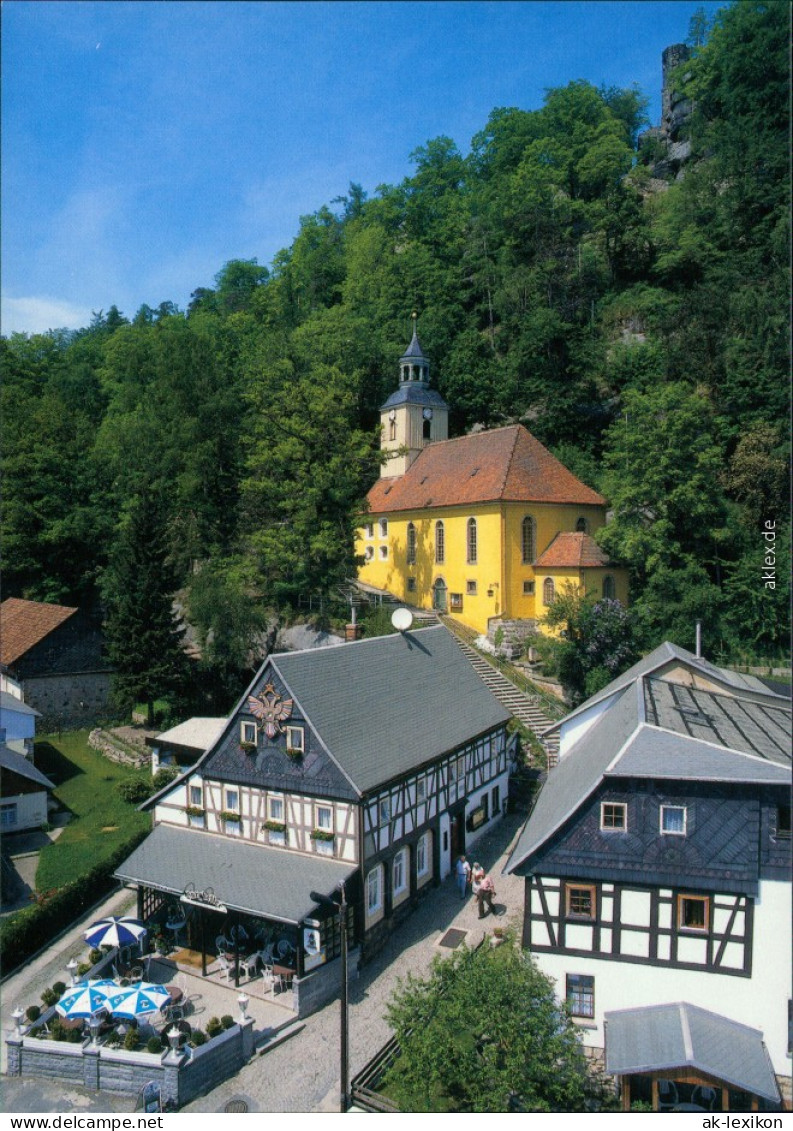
[657, 865]
[370, 764]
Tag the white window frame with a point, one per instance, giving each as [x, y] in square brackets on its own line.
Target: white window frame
[608, 828]
[374, 886]
[383, 527]
[369, 553]
[196, 803]
[422, 855]
[584, 996]
[384, 553]
[248, 731]
[369, 530]
[275, 800]
[687, 897]
[399, 872]
[384, 810]
[227, 804]
[471, 542]
[296, 732]
[9, 816]
[317, 820]
[673, 809]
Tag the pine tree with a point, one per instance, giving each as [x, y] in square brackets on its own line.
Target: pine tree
[144, 639]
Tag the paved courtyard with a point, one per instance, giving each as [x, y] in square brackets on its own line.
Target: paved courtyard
[302, 1074]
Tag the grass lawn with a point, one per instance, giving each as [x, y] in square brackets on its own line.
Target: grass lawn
[85, 783]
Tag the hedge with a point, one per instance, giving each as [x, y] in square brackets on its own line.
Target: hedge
[27, 931]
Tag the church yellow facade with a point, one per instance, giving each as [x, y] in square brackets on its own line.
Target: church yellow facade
[487, 527]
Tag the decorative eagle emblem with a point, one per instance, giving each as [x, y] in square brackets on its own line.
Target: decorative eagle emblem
[271, 709]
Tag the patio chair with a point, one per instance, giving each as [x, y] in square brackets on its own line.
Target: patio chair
[250, 964]
[704, 1096]
[226, 968]
[667, 1095]
[221, 944]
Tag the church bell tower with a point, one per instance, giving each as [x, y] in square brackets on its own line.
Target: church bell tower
[415, 415]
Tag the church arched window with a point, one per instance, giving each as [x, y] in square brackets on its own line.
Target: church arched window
[548, 591]
[440, 543]
[392, 430]
[471, 542]
[580, 525]
[528, 540]
[609, 588]
[411, 544]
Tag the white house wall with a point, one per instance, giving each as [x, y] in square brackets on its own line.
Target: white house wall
[31, 810]
[570, 732]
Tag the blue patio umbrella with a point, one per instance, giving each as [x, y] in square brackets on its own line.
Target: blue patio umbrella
[86, 998]
[116, 930]
[138, 999]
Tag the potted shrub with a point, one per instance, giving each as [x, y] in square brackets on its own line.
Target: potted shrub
[197, 1038]
[154, 1045]
[214, 1026]
[131, 1040]
[294, 752]
[33, 1012]
[195, 816]
[276, 831]
[227, 1021]
[248, 747]
[230, 817]
[49, 997]
[323, 839]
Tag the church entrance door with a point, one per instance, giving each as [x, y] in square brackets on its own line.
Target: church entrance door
[439, 596]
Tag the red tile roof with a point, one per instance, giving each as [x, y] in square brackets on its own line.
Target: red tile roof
[25, 623]
[503, 465]
[573, 550]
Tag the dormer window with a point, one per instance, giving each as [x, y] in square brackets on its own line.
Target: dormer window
[581, 525]
[295, 739]
[674, 820]
[614, 816]
[248, 732]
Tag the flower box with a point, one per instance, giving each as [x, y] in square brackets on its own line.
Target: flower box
[248, 747]
[275, 826]
[294, 752]
[322, 834]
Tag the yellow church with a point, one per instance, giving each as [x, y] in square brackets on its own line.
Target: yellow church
[487, 527]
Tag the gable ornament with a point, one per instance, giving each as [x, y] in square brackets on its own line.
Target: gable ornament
[271, 709]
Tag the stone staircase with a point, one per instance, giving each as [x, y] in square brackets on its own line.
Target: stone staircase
[519, 703]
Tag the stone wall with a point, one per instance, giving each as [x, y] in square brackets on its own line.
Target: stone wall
[68, 701]
[181, 1076]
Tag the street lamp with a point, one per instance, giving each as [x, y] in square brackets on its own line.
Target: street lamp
[340, 906]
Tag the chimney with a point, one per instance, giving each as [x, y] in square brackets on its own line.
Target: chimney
[698, 649]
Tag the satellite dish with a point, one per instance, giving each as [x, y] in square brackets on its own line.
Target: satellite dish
[402, 619]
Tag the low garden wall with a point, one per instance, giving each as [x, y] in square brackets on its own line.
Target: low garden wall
[180, 1075]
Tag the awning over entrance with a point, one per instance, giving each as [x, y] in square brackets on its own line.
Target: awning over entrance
[258, 880]
[677, 1035]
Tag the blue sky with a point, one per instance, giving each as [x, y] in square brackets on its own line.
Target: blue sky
[145, 144]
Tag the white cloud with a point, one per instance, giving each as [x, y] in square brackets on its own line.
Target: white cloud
[36, 314]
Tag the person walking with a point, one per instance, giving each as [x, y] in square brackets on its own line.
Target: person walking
[463, 872]
[485, 895]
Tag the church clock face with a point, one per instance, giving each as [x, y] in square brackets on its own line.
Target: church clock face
[427, 414]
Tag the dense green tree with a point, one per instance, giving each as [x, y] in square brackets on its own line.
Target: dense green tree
[596, 641]
[484, 1032]
[144, 638]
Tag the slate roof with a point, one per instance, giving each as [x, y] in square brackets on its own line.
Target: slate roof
[386, 706]
[728, 720]
[661, 656]
[414, 349]
[16, 763]
[572, 550]
[576, 776]
[413, 392]
[25, 623]
[246, 877]
[644, 733]
[502, 465]
[677, 1035]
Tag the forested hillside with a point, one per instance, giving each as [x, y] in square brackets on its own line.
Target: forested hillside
[638, 328]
